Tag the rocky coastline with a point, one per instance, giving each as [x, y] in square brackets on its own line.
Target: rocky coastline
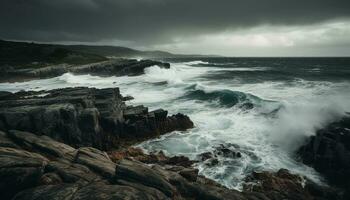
[76, 143]
[111, 67]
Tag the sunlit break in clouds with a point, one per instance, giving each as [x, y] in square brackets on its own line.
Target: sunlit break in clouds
[331, 38]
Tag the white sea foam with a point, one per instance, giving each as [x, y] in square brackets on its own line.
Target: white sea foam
[196, 62]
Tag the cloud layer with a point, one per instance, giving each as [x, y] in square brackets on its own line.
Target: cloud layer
[151, 23]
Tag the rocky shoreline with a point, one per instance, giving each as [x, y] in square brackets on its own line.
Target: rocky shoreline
[111, 67]
[53, 146]
[76, 143]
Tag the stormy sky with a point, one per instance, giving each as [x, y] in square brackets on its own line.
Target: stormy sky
[222, 27]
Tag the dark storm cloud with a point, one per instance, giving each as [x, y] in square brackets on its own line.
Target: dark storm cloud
[153, 21]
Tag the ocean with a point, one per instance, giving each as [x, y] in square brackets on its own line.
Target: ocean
[264, 108]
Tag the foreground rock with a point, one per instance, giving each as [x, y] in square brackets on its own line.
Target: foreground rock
[114, 67]
[85, 117]
[31, 167]
[284, 185]
[329, 153]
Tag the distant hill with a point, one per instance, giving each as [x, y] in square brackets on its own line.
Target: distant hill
[19, 53]
[24, 54]
[117, 51]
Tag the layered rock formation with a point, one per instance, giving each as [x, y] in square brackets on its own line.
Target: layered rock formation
[85, 117]
[38, 167]
[113, 67]
[329, 153]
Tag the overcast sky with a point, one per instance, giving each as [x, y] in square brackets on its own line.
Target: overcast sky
[223, 27]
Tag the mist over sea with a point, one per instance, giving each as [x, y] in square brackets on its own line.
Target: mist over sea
[264, 108]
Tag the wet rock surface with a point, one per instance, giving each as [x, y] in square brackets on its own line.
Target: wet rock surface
[114, 67]
[285, 185]
[228, 151]
[85, 117]
[329, 153]
[30, 172]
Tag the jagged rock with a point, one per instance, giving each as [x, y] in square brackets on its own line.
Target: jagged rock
[329, 153]
[201, 189]
[128, 98]
[221, 152]
[86, 117]
[227, 150]
[205, 156]
[180, 161]
[284, 185]
[189, 174]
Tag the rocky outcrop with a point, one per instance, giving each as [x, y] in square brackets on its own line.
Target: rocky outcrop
[113, 67]
[85, 117]
[329, 153]
[28, 171]
[285, 185]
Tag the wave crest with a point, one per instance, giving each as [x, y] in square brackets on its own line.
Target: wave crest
[229, 98]
[196, 62]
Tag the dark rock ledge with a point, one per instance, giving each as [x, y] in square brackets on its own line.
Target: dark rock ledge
[329, 153]
[113, 67]
[38, 167]
[86, 117]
